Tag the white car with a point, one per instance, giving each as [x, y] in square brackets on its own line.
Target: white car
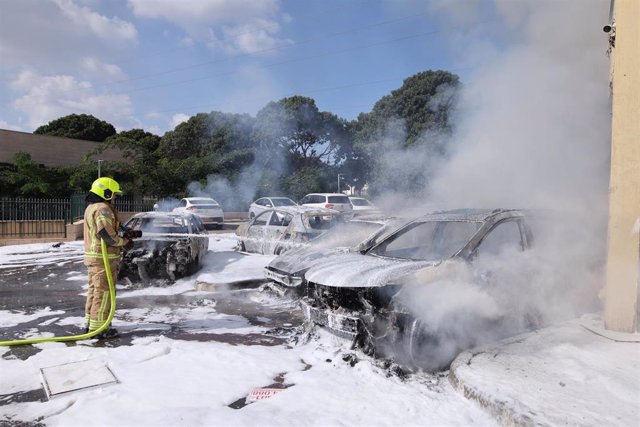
[336, 201]
[277, 230]
[264, 203]
[362, 205]
[207, 209]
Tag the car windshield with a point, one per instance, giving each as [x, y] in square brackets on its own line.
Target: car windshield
[360, 202]
[164, 225]
[283, 202]
[346, 235]
[204, 202]
[428, 240]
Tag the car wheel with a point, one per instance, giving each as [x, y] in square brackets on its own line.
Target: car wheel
[422, 345]
[241, 247]
[251, 215]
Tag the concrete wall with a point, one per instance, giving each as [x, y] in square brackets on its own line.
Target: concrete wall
[50, 150]
[621, 297]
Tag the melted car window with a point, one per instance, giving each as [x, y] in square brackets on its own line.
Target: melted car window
[504, 236]
[429, 240]
[322, 222]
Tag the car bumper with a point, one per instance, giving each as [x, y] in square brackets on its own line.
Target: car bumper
[283, 279]
[343, 325]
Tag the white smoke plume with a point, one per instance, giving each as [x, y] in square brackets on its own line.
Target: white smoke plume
[532, 132]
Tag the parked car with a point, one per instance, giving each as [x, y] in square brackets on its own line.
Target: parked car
[335, 201]
[264, 203]
[172, 246]
[206, 208]
[357, 235]
[363, 296]
[362, 205]
[277, 230]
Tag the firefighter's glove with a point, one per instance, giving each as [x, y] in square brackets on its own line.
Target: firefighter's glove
[132, 234]
[128, 245]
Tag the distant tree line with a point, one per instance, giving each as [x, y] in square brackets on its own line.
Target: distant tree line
[289, 148]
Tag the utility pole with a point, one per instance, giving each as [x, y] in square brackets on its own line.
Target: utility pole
[99, 162]
[623, 245]
[339, 176]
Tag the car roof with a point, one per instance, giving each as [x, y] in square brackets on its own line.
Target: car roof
[198, 198]
[274, 197]
[156, 214]
[469, 214]
[326, 194]
[310, 210]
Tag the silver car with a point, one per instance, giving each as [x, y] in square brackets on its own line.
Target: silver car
[206, 208]
[264, 203]
[335, 201]
[275, 231]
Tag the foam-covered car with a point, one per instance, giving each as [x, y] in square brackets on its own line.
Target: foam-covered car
[275, 231]
[357, 235]
[172, 246]
[372, 297]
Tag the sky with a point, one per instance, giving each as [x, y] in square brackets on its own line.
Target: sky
[560, 375]
[151, 64]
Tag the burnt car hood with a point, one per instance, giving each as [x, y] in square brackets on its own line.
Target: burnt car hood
[363, 271]
[299, 260]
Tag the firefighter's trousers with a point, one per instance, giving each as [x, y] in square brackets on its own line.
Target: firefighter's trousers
[98, 300]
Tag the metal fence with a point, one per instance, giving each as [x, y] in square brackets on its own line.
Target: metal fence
[39, 217]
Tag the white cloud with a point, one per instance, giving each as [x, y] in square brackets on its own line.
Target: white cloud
[56, 34]
[96, 66]
[244, 26]
[47, 98]
[112, 29]
[177, 119]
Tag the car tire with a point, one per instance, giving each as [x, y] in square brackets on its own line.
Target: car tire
[241, 247]
[251, 215]
[421, 345]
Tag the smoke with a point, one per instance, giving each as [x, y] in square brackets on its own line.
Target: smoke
[532, 132]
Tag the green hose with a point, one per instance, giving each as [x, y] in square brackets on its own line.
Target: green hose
[112, 296]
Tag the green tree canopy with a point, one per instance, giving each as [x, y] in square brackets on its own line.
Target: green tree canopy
[412, 121]
[78, 126]
[295, 126]
[215, 143]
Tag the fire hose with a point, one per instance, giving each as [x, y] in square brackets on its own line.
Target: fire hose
[112, 296]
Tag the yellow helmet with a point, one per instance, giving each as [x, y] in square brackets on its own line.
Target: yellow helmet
[105, 188]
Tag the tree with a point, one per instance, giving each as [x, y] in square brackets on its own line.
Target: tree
[413, 124]
[78, 126]
[207, 144]
[296, 126]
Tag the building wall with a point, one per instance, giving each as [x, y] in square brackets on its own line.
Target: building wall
[621, 299]
[49, 150]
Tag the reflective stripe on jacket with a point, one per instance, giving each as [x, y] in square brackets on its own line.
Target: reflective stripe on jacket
[99, 216]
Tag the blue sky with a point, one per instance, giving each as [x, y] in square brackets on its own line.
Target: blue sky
[153, 63]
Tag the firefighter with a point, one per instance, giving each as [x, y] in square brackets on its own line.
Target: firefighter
[101, 223]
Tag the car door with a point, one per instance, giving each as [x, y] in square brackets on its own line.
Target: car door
[274, 231]
[255, 232]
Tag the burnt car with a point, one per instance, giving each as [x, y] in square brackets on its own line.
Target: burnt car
[172, 246]
[368, 297]
[277, 230]
[357, 235]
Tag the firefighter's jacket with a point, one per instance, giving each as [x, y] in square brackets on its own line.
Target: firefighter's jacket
[97, 217]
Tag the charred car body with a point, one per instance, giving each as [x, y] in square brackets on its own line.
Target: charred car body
[277, 230]
[172, 246]
[367, 297]
[357, 235]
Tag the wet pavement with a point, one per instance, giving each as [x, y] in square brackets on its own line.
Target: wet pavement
[54, 293]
